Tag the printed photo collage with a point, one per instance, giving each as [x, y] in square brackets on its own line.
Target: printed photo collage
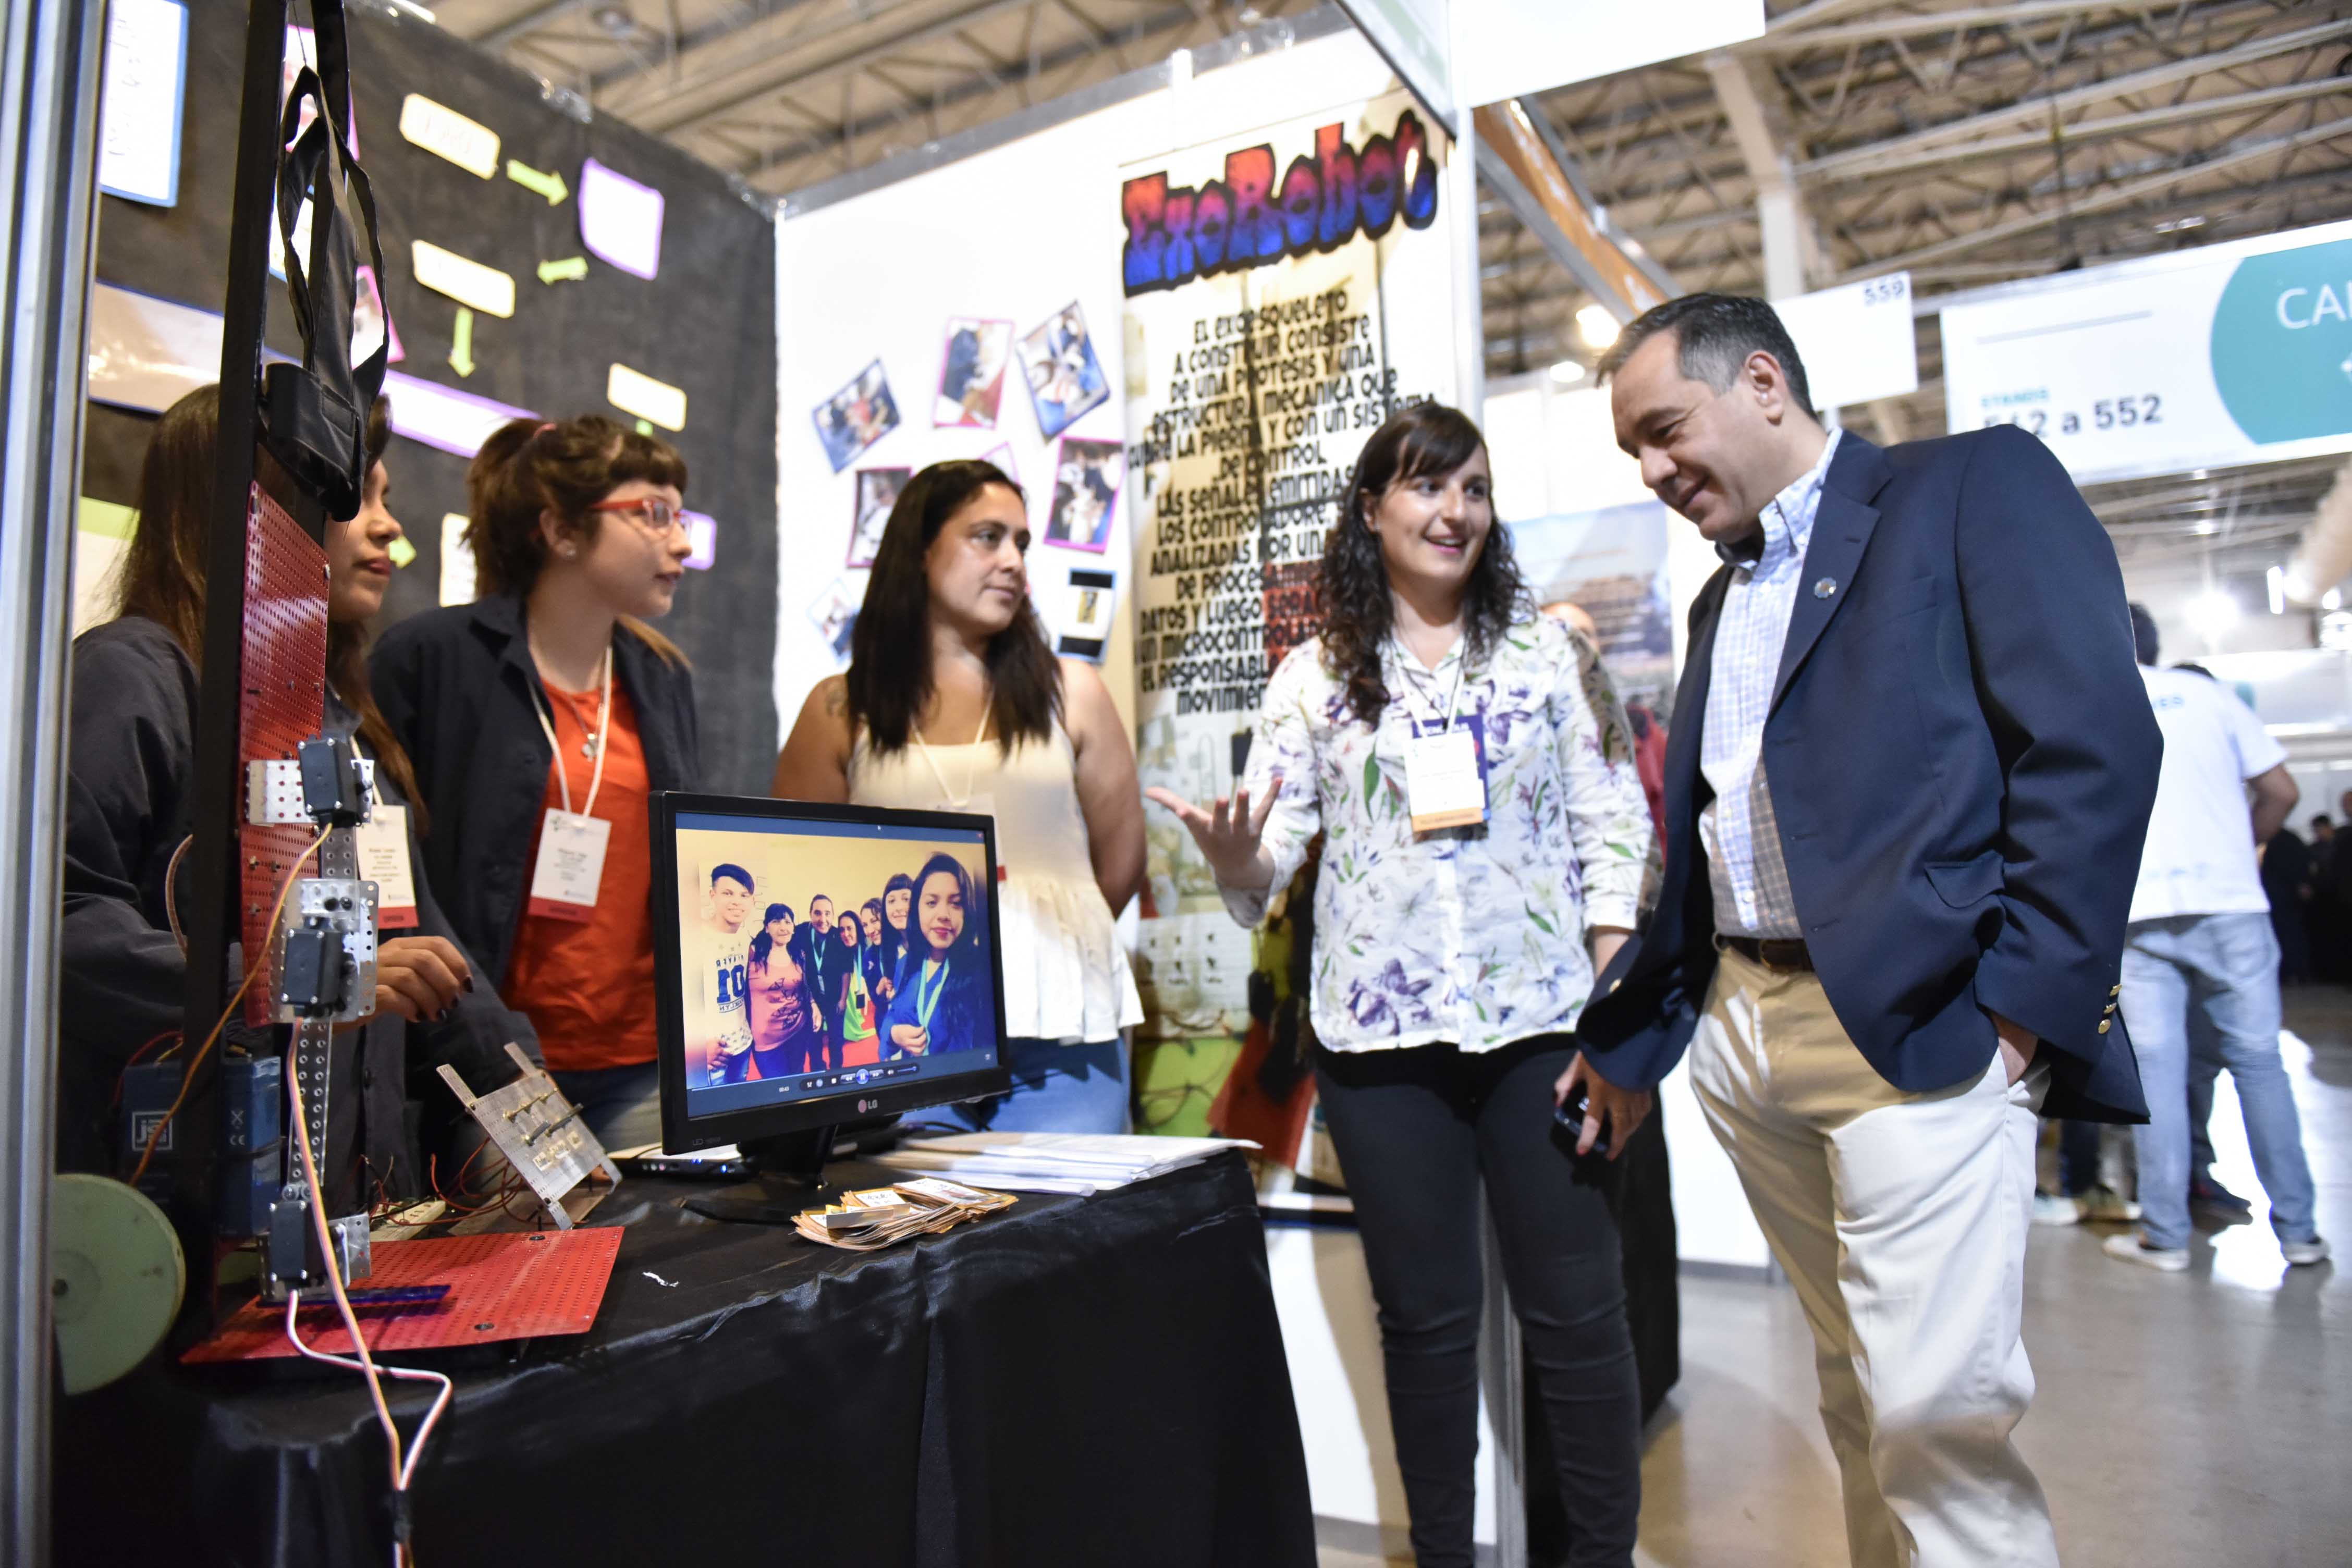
[1057, 363]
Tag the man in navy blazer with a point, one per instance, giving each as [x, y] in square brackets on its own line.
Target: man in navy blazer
[1910, 768]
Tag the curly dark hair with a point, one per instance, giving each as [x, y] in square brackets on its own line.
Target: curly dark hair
[1351, 588]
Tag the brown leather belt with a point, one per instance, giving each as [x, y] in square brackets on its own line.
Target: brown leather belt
[1781, 955]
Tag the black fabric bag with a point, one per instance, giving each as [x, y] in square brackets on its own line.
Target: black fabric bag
[314, 415]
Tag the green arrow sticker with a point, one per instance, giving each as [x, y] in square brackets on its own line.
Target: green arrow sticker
[570, 269]
[552, 187]
[461, 343]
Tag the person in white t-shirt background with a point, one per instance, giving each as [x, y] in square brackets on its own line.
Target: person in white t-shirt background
[2199, 938]
[727, 975]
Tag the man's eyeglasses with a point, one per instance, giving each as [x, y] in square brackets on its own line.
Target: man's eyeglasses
[654, 513]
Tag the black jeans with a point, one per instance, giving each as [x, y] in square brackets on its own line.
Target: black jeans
[1416, 1129]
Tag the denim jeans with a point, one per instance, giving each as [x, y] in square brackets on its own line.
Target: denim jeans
[2222, 970]
[622, 1106]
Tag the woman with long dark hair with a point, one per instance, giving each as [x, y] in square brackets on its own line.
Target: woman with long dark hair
[948, 645]
[943, 989]
[1486, 837]
[132, 759]
[541, 718]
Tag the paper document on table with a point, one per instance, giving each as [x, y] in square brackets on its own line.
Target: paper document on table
[995, 1175]
[1138, 1154]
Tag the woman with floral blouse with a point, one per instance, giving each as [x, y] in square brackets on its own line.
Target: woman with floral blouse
[1451, 958]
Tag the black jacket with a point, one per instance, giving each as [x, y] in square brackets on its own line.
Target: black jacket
[456, 685]
[121, 977]
[1962, 761]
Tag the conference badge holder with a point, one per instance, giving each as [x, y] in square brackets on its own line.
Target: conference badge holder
[1445, 774]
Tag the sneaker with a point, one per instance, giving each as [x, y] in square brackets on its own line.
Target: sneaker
[2049, 1208]
[2305, 1252]
[2132, 1249]
[2103, 1205]
[2210, 1199]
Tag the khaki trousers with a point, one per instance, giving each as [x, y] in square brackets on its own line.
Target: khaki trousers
[1901, 1220]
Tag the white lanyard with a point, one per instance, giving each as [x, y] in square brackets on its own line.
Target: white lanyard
[927, 998]
[603, 730]
[1415, 677]
[971, 772]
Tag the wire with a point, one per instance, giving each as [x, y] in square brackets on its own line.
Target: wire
[401, 1473]
[170, 894]
[413, 1374]
[118, 1077]
[252, 968]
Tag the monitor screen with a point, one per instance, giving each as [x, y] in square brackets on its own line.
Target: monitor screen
[820, 963]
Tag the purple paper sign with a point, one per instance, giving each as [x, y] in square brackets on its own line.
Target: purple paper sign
[620, 220]
[702, 532]
[457, 422]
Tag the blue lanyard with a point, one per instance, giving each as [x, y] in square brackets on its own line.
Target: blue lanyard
[927, 1003]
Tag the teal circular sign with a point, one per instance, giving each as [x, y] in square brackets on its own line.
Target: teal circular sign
[2282, 345]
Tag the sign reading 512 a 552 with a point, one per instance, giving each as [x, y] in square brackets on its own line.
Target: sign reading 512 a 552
[2233, 353]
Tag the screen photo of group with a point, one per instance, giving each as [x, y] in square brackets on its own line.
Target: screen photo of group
[809, 950]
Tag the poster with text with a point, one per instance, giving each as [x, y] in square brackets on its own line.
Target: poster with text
[1287, 289]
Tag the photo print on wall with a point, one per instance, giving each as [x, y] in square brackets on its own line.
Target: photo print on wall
[857, 417]
[971, 373]
[835, 616]
[877, 492]
[1087, 477]
[1065, 377]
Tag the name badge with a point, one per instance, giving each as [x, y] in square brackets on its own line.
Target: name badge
[1445, 774]
[383, 844]
[571, 865]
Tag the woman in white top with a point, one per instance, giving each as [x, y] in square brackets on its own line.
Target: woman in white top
[948, 645]
[1471, 773]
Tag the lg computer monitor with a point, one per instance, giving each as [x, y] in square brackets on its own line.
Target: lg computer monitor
[780, 1011]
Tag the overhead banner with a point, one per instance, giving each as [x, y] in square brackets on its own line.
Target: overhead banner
[1287, 289]
[2235, 353]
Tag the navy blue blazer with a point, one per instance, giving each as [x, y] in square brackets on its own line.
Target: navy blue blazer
[1962, 759]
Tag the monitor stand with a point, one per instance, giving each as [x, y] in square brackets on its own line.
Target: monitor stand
[789, 1179]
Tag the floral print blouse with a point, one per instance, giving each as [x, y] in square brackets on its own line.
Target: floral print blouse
[1473, 935]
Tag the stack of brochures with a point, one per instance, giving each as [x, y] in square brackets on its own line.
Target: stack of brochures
[873, 1218]
[1078, 1163]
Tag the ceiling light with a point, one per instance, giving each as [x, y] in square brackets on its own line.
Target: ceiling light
[2332, 600]
[1597, 325]
[2274, 580]
[1568, 373]
[2211, 613]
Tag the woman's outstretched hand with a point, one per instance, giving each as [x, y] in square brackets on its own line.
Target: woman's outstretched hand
[1229, 832]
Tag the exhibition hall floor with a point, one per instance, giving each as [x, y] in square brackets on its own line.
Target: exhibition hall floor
[2183, 1420]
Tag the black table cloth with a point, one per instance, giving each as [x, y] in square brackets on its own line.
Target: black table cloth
[1071, 1382]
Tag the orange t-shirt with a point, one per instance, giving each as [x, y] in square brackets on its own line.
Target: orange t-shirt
[588, 986]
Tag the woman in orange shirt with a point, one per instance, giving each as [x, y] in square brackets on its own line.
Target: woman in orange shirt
[549, 710]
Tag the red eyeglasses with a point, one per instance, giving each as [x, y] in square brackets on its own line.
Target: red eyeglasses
[655, 513]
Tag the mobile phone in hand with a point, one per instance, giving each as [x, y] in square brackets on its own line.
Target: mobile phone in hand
[1570, 1115]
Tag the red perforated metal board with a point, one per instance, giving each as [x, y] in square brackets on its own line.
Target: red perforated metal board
[501, 1287]
[284, 682]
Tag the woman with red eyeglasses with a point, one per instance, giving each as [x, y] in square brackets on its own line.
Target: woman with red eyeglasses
[541, 718]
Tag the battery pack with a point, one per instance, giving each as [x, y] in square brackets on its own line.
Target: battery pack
[148, 1090]
[252, 1136]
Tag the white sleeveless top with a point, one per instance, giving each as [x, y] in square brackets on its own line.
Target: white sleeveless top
[1065, 974]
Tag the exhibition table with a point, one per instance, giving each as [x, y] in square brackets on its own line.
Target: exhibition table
[1073, 1381]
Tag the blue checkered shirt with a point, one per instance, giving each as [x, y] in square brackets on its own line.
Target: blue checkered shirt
[1737, 829]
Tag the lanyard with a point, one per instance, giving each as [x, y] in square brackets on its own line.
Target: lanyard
[971, 772]
[927, 999]
[604, 729]
[1415, 677]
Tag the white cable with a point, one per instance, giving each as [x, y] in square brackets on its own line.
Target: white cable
[413, 1374]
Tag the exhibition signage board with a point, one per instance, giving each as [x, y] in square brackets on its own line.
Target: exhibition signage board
[2232, 354]
[1857, 340]
[144, 98]
[1288, 288]
[1507, 49]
